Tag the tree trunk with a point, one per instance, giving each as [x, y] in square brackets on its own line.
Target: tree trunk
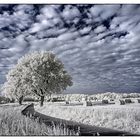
[50, 98]
[42, 101]
[21, 100]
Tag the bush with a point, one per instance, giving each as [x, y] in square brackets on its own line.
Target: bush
[30, 100]
[87, 103]
[4, 100]
[122, 102]
[138, 100]
[12, 100]
[57, 100]
[67, 102]
[128, 101]
[105, 101]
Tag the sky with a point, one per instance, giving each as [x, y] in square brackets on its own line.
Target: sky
[98, 44]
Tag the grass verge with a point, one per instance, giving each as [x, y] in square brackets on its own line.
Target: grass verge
[12, 123]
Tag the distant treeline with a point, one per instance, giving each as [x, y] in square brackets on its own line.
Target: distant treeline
[99, 96]
[77, 97]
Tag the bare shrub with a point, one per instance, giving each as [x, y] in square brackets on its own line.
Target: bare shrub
[138, 100]
[105, 101]
[122, 102]
[87, 103]
[128, 101]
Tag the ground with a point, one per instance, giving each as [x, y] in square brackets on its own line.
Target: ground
[115, 116]
[13, 123]
[119, 117]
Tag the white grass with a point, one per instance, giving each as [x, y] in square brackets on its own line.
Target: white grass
[120, 117]
[14, 124]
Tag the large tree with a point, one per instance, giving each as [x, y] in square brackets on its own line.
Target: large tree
[39, 74]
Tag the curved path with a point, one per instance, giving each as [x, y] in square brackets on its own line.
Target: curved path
[84, 130]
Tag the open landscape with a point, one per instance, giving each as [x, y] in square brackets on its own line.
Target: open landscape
[113, 115]
[126, 117]
[69, 70]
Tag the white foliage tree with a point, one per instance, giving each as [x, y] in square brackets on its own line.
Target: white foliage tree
[37, 73]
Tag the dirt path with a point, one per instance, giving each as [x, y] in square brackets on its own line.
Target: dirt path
[84, 130]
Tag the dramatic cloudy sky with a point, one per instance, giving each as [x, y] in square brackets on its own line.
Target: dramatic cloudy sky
[99, 44]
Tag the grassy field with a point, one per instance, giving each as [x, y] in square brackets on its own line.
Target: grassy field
[119, 117]
[12, 123]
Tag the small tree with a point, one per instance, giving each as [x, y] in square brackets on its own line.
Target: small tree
[39, 74]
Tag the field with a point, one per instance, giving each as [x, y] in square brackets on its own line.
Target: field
[119, 117]
[12, 123]
[115, 116]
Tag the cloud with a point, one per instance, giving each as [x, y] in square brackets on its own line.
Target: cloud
[104, 11]
[99, 44]
[70, 12]
[68, 36]
[85, 30]
[100, 29]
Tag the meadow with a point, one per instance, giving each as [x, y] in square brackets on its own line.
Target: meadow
[119, 117]
[13, 123]
[115, 116]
